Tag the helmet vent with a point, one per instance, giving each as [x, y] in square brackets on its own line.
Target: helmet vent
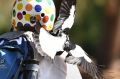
[32, 19]
[42, 14]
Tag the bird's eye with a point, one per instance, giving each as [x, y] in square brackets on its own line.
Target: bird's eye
[42, 14]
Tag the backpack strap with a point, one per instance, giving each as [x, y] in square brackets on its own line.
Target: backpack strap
[11, 35]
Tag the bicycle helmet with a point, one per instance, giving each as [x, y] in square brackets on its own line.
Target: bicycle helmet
[33, 14]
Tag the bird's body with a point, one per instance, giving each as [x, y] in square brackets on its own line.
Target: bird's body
[77, 55]
[51, 44]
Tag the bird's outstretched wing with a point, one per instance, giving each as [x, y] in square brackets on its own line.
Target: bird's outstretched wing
[66, 15]
[79, 57]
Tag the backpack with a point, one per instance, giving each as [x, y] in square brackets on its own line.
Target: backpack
[17, 57]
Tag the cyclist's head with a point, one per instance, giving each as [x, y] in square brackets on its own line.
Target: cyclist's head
[30, 15]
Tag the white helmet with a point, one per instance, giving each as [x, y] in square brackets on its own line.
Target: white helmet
[31, 14]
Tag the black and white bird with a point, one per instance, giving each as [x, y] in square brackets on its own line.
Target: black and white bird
[76, 56]
[74, 53]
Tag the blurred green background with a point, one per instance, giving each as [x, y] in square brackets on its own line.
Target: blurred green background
[87, 29]
[5, 14]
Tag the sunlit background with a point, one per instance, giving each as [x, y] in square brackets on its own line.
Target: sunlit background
[96, 30]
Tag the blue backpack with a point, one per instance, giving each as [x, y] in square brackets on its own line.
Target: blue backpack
[17, 57]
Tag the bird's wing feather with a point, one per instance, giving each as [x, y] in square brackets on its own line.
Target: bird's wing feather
[79, 57]
[90, 68]
[66, 15]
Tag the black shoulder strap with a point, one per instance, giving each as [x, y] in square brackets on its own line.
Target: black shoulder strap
[11, 35]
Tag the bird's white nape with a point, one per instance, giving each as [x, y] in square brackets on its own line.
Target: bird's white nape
[51, 44]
